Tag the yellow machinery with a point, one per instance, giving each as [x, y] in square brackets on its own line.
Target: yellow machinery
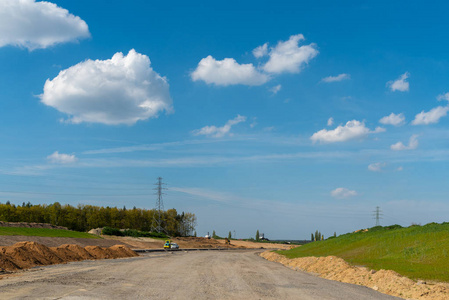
[167, 244]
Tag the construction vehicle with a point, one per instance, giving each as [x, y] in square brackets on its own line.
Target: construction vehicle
[167, 244]
[227, 241]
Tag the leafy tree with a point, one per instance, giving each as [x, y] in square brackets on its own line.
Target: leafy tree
[257, 235]
[312, 238]
[213, 234]
[86, 217]
[229, 235]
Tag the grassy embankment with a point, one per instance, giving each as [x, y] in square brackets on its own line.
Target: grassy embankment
[417, 252]
[45, 232]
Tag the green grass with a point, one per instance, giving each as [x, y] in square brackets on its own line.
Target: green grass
[418, 252]
[45, 232]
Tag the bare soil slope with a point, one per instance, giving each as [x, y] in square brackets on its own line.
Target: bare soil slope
[24, 255]
[384, 281]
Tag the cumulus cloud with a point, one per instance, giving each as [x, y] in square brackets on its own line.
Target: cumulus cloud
[218, 132]
[261, 51]
[227, 72]
[120, 90]
[61, 158]
[330, 121]
[276, 89]
[351, 130]
[343, 193]
[401, 84]
[430, 117]
[376, 167]
[288, 57]
[393, 119]
[337, 78]
[33, 25]
[412, 144]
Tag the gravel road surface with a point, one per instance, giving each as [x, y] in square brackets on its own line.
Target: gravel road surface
[178, 275]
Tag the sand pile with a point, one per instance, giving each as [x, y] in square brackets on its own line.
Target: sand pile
[25, 255]
[384, 281]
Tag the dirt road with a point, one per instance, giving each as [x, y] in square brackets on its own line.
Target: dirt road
[178, 275]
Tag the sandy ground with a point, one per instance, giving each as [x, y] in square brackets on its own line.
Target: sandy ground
[137, 243]
[385, 281]
[192, 243]
[179, 275]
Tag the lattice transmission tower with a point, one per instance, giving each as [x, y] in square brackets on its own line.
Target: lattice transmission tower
[377, 215]
[159, 210]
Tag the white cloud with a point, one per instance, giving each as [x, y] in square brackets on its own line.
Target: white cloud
[342, 193]
[393, 119]
[33, 25]
[412, 144]
[443, 97]
[330, 121]
[351, 130]
[261, 51]
[227, 72]
[337, 78]
[276, 89]
[432, 116]
[376, 167]
[218, 132]
[400, 84]
[288, 57]
[61, 158]
[121, 90]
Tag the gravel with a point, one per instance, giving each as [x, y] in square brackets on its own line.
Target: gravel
[178, 275]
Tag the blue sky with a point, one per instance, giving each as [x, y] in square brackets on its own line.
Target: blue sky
[286, 119]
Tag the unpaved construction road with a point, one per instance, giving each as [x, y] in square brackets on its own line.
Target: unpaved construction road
[178, 275]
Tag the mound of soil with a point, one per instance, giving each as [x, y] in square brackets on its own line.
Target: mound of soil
[25, 255]
[384, 281]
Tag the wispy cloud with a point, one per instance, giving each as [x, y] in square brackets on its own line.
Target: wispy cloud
[337, 78]
[376, 167]
[61, 158]
[218, 132]
[276, 89]
[343, 193]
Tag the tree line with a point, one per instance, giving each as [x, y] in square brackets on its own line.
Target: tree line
[86, 217]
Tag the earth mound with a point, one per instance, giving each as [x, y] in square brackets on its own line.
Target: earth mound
[24, 255]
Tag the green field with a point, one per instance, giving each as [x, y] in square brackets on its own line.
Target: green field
[45, 232]
[418, 252]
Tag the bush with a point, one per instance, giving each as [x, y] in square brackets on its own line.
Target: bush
[111, 231]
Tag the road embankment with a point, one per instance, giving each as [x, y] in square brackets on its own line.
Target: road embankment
[384, 281]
